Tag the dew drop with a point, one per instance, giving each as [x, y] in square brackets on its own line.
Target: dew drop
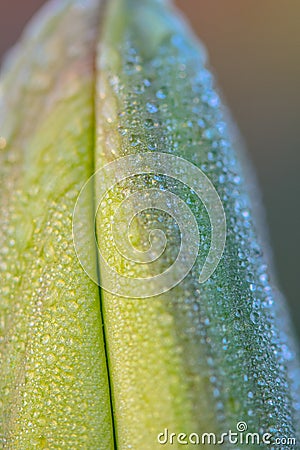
[254, 317]
[151, 108]
[161, 94]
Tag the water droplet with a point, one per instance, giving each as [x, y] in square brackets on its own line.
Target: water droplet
[237, 179]
[134, 140]
[238, 313]
[148, 123]
[50, 358]
[161, 94]
[245, 214]
[254, 317]
[151, 108]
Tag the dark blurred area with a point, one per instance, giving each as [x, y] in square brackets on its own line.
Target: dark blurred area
[253, 47]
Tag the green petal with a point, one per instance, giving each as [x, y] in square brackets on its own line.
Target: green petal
[200, 357]
[54, 377]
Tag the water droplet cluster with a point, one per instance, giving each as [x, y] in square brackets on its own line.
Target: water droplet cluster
[54, 389]
[227, 336]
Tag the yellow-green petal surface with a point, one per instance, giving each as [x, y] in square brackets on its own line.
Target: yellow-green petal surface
[54, 385]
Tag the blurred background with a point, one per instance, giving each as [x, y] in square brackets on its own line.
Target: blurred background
[254, 50]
